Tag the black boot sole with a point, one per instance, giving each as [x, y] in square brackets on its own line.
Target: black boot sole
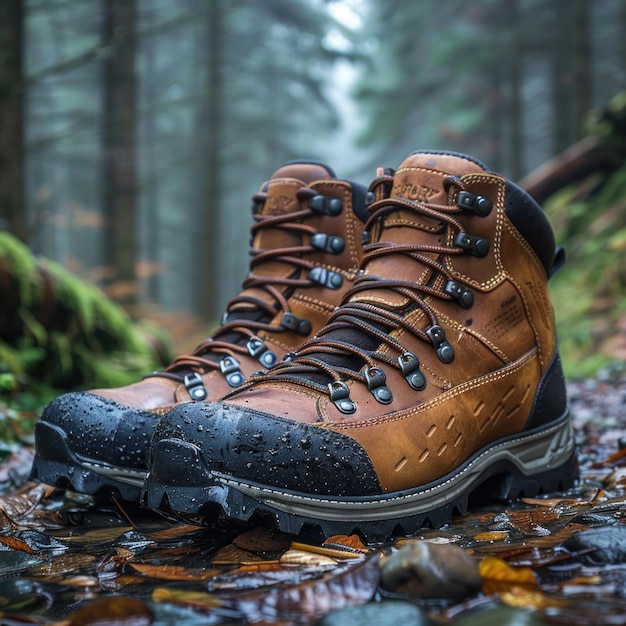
[527, 464]
[56, 464]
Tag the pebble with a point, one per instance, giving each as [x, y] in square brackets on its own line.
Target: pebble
[499, 616]
[433, 571]
[386, 613]
[608, 544]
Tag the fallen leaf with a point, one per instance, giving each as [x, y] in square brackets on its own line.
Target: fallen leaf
[309, 559]
[338, 553]
[492, 535]
[614, 458]
[498, 576]
[232, 555]
[172, 572]
[525, 598]
[16, 544]
[62, 565]
[19, 503]
[353, 542]
[352, 586]
[196, 599]
[261, 539]
[175, 531]
[120, 611]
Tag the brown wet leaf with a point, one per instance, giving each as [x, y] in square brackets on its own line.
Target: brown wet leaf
[353, 542]
[172, 572]
[614, 459]
[232, 555]
[119, 611]
[553, 502]
[16, 544]
[261, 539]
[252, 577]
[498, 576]
[195, 599]
[174, 532]
[20, 503]
[62, 565]
[615, 480]
[353, 585]
[533, 521]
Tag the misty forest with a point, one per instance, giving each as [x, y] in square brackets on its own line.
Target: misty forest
[133, 134]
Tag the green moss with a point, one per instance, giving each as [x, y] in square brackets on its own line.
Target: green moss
[77, 338]
[589, 293]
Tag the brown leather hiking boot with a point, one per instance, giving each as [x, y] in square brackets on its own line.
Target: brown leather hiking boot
[306, 252]
[438, 377]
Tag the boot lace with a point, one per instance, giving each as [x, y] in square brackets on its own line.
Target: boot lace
[357, 343]
[237, 334]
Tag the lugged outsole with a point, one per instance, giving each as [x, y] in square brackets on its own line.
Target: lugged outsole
[530, 463]
[56, 464]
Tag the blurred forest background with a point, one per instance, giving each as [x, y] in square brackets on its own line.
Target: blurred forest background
[133, 133]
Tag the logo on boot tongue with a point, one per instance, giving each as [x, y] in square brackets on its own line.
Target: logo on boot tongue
[414, 192]
[275, 205]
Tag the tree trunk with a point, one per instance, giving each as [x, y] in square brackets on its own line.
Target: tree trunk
[12, 209]
[212, 192]
[119, 137]
[515, 93]
[583, 64]
[562, 46]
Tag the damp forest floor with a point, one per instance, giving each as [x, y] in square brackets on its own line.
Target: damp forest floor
[560, 558]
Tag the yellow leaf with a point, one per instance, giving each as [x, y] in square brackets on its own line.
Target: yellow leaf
[493, 535]
[336, 553]
[498, 576]
[302, 557]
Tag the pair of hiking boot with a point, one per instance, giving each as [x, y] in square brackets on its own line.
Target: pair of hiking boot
[393, 352]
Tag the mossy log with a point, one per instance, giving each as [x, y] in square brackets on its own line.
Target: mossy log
[60, 331]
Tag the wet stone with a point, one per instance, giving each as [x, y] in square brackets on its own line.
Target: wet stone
[387, 613]
[606, 544]
[499, 616]
[434, 571]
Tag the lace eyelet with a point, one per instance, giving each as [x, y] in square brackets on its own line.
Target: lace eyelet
[460, 293]
[229, 366]
[410, 366]
[377, 384]
[340, 396]
[476, 246]
[195, 387]
[444, 350]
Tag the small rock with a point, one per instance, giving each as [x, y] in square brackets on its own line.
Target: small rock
[425, 570]
[499, 616]
[607, 542]
[386, 613]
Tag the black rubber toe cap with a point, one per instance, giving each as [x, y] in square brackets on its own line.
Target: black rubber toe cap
[261, 448]
[101, 429]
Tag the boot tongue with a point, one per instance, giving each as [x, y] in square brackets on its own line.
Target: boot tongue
[281, 199]
[419, 178]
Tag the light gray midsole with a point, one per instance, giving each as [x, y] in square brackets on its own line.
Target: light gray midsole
[119, 474]
[531, 454]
